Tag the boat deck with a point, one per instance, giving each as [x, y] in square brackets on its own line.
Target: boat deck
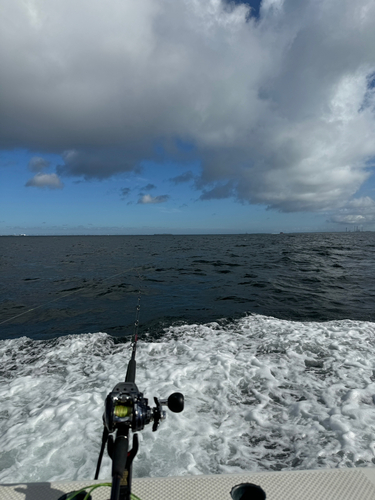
[330, 484]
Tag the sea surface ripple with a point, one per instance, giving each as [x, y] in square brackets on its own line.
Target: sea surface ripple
[83, 284]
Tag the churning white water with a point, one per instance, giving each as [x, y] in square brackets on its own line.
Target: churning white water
[260, 394]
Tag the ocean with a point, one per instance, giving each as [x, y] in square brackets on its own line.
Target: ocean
[269, 337]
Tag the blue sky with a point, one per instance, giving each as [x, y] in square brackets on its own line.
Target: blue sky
[185, 117]
[100, 207]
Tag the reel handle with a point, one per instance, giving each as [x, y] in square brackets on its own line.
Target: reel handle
[175, 402]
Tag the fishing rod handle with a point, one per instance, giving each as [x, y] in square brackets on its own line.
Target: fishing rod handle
[120, 453]
[119, 457]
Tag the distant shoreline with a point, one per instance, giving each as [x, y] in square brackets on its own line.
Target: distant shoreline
[282, 233]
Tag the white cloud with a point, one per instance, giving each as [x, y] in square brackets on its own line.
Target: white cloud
[281, 110]
[147, 198]
[50, 181]
[356, 211]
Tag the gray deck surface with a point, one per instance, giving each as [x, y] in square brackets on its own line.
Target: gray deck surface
[334, 484]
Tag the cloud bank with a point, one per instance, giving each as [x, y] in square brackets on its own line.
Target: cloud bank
[358, 211]
[280, 110]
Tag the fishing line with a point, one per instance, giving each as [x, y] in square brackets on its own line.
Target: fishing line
[71, 293]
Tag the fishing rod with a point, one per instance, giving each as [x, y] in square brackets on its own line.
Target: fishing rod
[127, 410]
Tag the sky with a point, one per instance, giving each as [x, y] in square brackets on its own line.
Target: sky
[186, 116]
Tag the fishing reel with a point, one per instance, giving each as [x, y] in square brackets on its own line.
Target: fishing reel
[126, 406]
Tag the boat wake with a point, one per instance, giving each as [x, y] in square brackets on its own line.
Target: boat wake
[260, 394]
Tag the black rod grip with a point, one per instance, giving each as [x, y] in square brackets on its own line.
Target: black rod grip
[120, 454]
[115, 492]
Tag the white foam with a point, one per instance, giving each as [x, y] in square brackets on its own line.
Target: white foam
[260, 394]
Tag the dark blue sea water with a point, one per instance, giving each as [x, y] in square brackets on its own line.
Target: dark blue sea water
[271, 338]
[82, 284]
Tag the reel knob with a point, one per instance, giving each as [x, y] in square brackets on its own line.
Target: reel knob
[176, 402]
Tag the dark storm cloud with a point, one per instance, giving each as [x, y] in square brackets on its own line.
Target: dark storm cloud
[282, 106]
[37, 164]
[186, 177]
[220, 191]
[149, 187]
[96, 163]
